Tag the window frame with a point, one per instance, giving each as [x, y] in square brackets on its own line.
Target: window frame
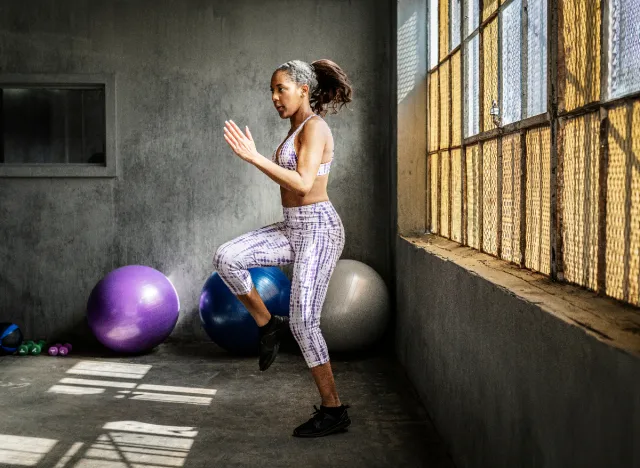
[554, 121]
[69, 81]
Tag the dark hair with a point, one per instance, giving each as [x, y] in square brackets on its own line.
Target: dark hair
[328, 84]
[334, 89]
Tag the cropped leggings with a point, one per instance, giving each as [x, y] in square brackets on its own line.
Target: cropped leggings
[312, 238]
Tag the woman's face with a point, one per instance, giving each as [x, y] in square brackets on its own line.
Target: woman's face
[287, 96]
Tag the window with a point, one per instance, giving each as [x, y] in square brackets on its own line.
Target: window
[511, 64]
[549, 186]
[471, 17]
[455, 23]
[623, 48]
[433, 33]
[536, 57]
[56, 126]
[471, 52]
[472, 86]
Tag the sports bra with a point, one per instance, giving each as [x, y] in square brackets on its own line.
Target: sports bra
[288, 157]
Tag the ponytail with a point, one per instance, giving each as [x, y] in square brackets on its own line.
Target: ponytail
[333, 90]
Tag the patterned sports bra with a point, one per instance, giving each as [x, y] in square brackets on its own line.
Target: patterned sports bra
[288, 157]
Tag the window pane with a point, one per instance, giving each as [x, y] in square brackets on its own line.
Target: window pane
[537, 58]
[53, 125]
[471, 87]
[580, 198]
[511, 213]
[455, 23]
[490, 72]
[434, 110]
[445, 115]
[489, 7]
[511, 68]
[444, 193]
[473, 202]
[433, 33]
[434, 192]
[444, 28]
[538, 200]
[623, 205]
[624, 47]
[456, 100]
[471, 16]
[490, 197]
[456, 195]
[581, 39]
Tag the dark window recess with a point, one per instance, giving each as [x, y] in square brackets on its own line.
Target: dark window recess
[52, 125]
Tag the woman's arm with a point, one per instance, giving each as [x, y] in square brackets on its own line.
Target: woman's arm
[301, 180]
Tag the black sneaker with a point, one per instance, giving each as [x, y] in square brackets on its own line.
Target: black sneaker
[325, 421]
[270, 337]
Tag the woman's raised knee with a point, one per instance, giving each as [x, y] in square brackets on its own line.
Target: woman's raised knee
[223, 259]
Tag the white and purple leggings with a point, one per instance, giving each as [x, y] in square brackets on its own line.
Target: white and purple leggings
[312, 238]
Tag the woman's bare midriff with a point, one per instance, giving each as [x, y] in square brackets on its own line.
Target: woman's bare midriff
[317, 194]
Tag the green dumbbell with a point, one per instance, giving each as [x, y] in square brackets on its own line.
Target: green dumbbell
[37, 348]
[26, 347]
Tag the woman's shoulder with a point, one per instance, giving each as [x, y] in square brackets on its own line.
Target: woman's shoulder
[316, 126]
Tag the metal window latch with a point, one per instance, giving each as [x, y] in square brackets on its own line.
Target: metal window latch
[495, 114]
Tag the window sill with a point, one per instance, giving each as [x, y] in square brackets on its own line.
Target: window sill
[608, 320]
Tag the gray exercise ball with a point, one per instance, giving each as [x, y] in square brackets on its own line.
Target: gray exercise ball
[355, 312]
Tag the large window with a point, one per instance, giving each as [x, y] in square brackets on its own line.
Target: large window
[51, 126]
[548, 184]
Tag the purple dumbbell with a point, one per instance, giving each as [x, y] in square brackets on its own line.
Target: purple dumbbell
[53, 351]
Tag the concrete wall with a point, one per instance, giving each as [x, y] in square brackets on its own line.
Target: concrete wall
[182, 68]
[507, 383]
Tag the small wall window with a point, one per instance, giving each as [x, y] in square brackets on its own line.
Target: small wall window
[57, 126]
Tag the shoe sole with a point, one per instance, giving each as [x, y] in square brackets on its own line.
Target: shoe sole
[342, 427]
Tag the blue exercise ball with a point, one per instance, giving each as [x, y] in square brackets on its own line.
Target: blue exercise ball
[227, 321]
[10, 338]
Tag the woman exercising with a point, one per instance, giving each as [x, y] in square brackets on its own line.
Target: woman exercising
[311, 235]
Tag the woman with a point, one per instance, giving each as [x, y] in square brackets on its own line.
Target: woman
[311, 235]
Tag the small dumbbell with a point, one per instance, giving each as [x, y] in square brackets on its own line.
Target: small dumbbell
[37, 348]
[60, 350]
[26, 347]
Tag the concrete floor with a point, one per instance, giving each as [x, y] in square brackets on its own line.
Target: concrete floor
[195, 406]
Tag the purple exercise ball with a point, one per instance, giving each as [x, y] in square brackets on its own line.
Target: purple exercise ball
[133, 309]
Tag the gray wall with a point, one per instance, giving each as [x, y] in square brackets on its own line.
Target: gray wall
[506, 383]
[182, 68]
